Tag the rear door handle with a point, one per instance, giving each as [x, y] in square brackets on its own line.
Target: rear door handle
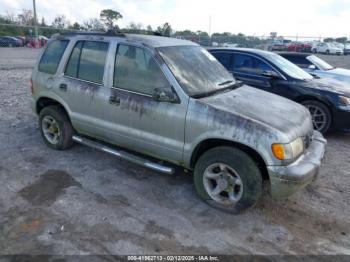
[113, 100]
[63, 87]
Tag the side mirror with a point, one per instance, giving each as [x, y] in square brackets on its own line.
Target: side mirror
[165, 95]
[312, 67]
[270, 74]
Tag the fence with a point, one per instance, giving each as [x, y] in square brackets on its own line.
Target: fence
[13, 35]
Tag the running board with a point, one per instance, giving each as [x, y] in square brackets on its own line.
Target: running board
[123, 155]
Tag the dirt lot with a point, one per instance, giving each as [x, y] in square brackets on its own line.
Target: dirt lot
[86, 202]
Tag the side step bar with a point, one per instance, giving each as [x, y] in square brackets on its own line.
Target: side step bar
[123, 155]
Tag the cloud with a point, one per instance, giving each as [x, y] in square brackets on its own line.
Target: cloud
[253, 17]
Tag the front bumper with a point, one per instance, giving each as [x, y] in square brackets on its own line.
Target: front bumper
[341, 120]
[286, 180]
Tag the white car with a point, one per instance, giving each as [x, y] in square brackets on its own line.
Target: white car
[327, 48]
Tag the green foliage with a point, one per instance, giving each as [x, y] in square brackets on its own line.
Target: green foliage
[109, 17]
[342, 40]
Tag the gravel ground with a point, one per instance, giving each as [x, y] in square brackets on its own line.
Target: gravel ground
[83, 201]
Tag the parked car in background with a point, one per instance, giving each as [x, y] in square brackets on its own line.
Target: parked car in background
[279, 45]
[328, 104]
[327, 48]
[316, 66]
[347, 49]
[299, 47]
[8, 41]
[169, 99]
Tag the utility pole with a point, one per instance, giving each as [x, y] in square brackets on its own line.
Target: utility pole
[35, 26]
[209, 26]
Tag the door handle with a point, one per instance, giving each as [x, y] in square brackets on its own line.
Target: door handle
[63, 87]
[113, 100]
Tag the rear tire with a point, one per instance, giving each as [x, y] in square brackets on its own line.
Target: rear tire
[56, 128]
[327, 52]
[321, 115]
[233, 174]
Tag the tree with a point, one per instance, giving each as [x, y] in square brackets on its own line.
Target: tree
[109, 17]
[134, 27]
[43, 23]
[26, 17]
[149, 28]
[165, 30]
[75, 26]
[328, 40]
[93, 24]
[341, 40]
[60, 22]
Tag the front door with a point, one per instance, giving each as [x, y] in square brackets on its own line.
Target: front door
[128, 114]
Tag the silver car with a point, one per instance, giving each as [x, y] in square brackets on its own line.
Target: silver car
[161, 102]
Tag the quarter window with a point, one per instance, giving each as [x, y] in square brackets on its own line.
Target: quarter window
[87, 61]
[52, 56]
[136, 70]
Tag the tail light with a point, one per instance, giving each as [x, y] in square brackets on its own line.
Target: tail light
[31, 86]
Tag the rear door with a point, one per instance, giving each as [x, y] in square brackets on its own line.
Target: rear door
[82, 77]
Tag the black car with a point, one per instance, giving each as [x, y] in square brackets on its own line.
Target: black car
[327, 100]
[7, 41]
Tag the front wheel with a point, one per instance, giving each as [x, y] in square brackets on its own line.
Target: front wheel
[321, 115]
[228, 179]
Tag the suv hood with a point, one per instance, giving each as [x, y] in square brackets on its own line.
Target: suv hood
[268, 109]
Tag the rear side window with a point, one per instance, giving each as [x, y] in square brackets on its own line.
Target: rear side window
[52, 56]
[87, 61]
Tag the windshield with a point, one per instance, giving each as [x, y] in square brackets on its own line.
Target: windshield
[288, 67]
[321, 64]
[196, 70]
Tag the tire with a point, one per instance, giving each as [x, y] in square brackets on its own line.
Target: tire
[314, 107]
[10, 45]
[63, 127]
[314, 51]
[327, 52]
[235, 163]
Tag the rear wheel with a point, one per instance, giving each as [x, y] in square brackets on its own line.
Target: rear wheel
[228, 179]
[55, 127]
[327, 52]
[321, 115]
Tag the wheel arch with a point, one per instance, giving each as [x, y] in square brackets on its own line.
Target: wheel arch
[304, 98]
[208, 144]
[43, 102]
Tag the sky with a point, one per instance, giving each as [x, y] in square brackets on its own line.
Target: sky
[314, 18]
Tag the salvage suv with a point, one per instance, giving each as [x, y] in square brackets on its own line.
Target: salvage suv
[158, 101]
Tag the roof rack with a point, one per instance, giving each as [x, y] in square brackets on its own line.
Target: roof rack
[108, 33]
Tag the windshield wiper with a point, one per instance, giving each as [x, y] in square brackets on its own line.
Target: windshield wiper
[235, 85]
[225, 83]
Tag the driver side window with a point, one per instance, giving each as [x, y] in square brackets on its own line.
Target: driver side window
[136, 70]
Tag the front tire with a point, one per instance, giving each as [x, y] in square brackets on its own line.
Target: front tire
[321, 115]
[228, 179]
[55, 128]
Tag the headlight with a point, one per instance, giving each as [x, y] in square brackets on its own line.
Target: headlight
[289, 151]
[344, 101]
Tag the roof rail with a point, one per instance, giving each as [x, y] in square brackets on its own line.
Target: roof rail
[108, 33]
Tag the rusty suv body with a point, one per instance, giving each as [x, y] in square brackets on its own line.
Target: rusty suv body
[170, 100]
